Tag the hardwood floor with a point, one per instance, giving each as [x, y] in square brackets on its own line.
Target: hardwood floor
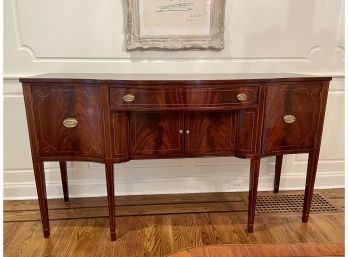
[156, 226]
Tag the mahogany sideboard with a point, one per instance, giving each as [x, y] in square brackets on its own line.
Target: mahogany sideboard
[113, 118]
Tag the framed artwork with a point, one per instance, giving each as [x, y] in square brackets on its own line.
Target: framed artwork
[174, 24]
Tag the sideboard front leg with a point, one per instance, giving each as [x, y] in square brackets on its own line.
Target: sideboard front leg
[278, 170]
[39, 174]
[109, 171]
[310, 180]
[64, 176]
[253, 182]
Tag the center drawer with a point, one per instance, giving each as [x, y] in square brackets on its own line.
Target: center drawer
[188, 97]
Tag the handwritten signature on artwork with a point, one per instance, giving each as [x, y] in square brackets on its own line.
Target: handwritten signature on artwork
[180, 7]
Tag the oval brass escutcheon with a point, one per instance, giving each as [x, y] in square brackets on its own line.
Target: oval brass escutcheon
[242, 97]
[289, 119]
[128, 98]
[70, 122]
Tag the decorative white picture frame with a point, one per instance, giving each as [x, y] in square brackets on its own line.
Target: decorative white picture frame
[174, 24]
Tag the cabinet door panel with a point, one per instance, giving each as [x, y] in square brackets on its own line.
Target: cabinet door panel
[53, 105]
[302, 102]
[157, 134]
[210, 133]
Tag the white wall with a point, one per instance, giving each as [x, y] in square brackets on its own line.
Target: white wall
[87, 36]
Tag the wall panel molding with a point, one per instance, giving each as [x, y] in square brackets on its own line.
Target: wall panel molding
[28, 16]
[20, 44]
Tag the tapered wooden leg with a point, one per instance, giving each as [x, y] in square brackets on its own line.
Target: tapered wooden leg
[64, 175]
[278, 170]
[310, 180]
[109, 170]
[253, 182]
[39, 174]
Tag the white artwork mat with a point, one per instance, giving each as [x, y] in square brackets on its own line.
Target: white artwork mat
[174, 17]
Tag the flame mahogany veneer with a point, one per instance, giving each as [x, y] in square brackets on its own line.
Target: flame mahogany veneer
[110, 118]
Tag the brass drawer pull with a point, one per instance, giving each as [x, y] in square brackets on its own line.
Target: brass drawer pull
[128, 98]
[70, 122]
[242, 97]
[289, 119]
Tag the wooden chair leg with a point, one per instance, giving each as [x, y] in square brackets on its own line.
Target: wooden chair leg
[254, 179]
[109, 171]
[64, 176]
[310, 180]
[278, 170]
[39, 174]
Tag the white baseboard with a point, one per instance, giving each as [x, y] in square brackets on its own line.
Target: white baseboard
[178, 185]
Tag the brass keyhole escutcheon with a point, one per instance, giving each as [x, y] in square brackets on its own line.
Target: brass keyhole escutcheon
[70, 122]
[128, 98]
[289, 119]
[242, 97]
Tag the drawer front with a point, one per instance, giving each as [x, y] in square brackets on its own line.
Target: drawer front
[146, 98]
[69, 121]
[291, 117]
[219, 97]
[188, 97]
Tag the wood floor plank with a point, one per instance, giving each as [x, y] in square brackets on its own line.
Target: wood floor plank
[333, 193]
[155, 235]
[126, 201]
[85, 243]
[185, 231]
[233, 227]
[209, 233]
[10, 230]
[337, 202]
[302, 250]
[20, 244]
[76, 213]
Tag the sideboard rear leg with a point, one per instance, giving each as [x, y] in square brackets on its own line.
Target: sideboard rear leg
[310, 180]
[64, 176]
[253, 182]
[278, 170]
[39, 174]
[109, 171]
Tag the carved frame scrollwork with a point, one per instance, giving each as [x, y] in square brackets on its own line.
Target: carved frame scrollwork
[134, 41]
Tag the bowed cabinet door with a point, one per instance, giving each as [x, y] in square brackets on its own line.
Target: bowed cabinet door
[69, 121]
[291, 117]
[156, 134]
[210, 133]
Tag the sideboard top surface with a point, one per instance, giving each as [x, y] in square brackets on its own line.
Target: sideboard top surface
[100, 78]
